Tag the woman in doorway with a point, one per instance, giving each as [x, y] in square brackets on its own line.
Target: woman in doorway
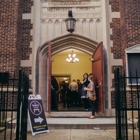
[91, 91]
[85, 83]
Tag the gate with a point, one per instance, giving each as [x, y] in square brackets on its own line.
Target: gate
[13, 106]
[127, 103]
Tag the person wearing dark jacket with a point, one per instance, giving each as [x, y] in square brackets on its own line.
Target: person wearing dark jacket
[79, 92]
[54, 89]
[63, 90]
[84, 84]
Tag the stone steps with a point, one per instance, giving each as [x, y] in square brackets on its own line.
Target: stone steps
[79, 123]
[82, 123]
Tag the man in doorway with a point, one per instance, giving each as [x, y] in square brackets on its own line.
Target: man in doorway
[73, 89]
[63, 90]
[54, 89]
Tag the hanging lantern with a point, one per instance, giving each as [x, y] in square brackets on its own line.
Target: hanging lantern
[70, 22]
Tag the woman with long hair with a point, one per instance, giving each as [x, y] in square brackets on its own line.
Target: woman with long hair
[91, 91]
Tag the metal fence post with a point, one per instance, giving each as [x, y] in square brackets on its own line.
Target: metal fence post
[18, 104]
[25, 108]
[117, 104]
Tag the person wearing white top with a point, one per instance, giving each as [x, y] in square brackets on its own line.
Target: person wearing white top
[74, 91]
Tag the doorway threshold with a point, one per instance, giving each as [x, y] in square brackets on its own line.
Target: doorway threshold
[72, 114]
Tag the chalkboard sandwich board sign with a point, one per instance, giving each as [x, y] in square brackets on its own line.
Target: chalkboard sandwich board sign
[36, 115]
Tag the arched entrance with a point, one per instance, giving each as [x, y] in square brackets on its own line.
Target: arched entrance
[43, 71]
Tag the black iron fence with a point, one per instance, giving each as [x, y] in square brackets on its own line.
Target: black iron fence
[127, 102]
[13, 106]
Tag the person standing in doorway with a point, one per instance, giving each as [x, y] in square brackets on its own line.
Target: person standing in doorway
[73, 89]
[91, 91]
[63, 91]
[79, 92]
[84, 84]
[54, 89]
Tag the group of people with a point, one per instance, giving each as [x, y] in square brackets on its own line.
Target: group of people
[75, 93]
[82, 90]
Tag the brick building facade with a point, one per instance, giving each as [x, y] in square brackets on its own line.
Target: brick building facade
[15, 35]
[19, 21]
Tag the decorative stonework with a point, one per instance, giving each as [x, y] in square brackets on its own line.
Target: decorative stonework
[87, 14]
[72, 3]
[133, 49]
[75, 15]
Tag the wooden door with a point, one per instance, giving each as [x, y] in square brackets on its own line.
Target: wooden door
[97, 71]
[49, 67]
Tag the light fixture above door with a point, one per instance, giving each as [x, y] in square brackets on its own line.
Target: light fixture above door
[72, 58]
[70, 22]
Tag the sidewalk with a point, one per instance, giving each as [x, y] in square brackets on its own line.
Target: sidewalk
[78, 129]
[67, 134]
[75, 134]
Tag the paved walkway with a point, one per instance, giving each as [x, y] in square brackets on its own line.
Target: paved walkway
[75, 134]
[66, 134]
[99, 130]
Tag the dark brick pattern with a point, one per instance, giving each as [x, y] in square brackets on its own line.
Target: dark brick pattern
[28, 70]
[131, 99]
[14, 34]
[130, 24]
[116, 37]
[27, 4]
[125, 31]
[113, 99]
[10, 100]
[26, 39]
[121, 73]
[10, 18]
[114, 5]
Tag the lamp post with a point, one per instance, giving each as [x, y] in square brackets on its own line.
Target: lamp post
[70, 22]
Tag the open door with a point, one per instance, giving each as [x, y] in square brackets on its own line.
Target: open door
[49, 67]
[97, 71]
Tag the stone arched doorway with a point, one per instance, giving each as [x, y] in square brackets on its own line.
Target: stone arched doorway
[58, 44]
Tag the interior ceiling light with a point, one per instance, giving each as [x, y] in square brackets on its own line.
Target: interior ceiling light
[72, 58]
[65, 78]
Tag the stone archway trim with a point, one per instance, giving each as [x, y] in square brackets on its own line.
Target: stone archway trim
[64, 42]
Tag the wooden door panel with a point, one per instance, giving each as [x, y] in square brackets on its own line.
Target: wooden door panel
[97, 71]
[49, 67]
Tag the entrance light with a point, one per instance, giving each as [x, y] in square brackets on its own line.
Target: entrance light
[72, 58]
[70, 22]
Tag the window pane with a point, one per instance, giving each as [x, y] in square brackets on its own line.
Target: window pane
[133, 65]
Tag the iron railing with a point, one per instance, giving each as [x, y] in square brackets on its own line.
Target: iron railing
[13, 102]
[127, 102]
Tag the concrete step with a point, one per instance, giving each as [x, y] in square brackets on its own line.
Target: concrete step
[78, 123]
[72, 114]
[82, 123]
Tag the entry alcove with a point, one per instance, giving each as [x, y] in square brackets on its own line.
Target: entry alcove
[46, 54]
[67, 71]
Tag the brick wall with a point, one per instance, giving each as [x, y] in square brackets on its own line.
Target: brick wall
[26, 28]
[26, 37]
[130, 24]
[14, 34]
[10, 21]
[125, 31]
[114, 5]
